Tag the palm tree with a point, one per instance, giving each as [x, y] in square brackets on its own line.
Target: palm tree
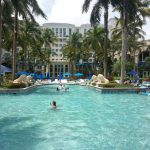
[95, 38]
[25, 8]
[129, 12]
[48, 39]
[72, 50]
[6, 24]
[28, 35]
[95, 19]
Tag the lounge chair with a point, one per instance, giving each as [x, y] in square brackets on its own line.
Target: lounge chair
[64, 81]
[56, 81]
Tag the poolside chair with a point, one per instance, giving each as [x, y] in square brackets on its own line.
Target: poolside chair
[56, 81]
[38, 82]
[80, 81]
[64, 81]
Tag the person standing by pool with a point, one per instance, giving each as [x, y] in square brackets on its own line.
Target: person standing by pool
[53, 105]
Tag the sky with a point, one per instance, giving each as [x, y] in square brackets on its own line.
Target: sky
[70, 11]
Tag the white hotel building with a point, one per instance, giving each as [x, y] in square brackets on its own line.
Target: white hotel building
[62, 31]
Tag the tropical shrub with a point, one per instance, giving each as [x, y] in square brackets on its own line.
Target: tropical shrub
[14, 85]
[115, 85]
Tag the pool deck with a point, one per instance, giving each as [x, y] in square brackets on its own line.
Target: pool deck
[102, 90]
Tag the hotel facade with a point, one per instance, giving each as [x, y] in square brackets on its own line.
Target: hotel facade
[62, 31]
[59, 64]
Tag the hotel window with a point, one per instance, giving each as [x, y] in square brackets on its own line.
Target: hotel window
[62, 69]
[56, 50]
[56, 31]
[55, 68]
[66, 68]
[70, 31]
[64, 32]
[51, 70]
[59, 69]
[77, 30]
[60, 32]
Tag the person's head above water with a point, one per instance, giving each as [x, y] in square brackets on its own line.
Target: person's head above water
[54, 103]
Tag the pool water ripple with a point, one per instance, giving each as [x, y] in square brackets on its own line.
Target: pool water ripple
[84, 120]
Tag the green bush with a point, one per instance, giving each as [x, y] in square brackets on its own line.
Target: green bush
[14, 85]
[109, 85]
[115, 85]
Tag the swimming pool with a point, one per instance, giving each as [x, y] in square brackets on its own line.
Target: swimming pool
[85, 120]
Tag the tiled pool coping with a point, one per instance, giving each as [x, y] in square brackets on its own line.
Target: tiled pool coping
[102, 90]
[120, 90]
[17, 91]
[23, 90]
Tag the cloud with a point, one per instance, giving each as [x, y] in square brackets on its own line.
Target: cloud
[70, 11]
[46, 6]
[146, 28]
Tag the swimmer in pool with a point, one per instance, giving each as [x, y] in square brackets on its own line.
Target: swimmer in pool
[53, 105]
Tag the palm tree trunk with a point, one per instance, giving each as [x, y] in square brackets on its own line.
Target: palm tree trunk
[94, 67]
[134, 64]
[105, 40]
[14, 45]
[124, 43]
[0, 39]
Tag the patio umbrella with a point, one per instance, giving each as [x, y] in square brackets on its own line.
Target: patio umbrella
[34, 75]
[132, 72]
[78, 74]
[89, 76]
[67, 74]
[22, 72]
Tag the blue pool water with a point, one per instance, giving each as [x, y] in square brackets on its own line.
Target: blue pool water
[85, 120]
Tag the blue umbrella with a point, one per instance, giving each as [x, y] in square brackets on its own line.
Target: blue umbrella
[78, 74]
[89, 76]
[22, 72]
[34, 75]
[132, 72]
[67, 74]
